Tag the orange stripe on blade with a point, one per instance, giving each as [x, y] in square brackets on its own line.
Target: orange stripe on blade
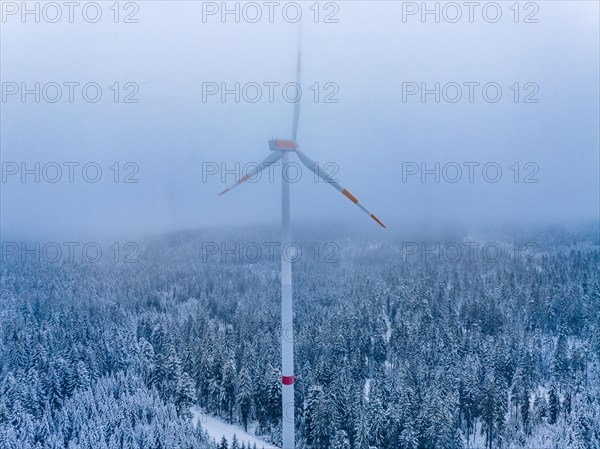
[350, 196]
[377, 220]
[245, 178]
[224, 191]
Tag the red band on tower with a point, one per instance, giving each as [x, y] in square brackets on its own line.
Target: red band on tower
[287, 380]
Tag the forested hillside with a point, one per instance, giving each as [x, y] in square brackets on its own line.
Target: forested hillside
[391, 351]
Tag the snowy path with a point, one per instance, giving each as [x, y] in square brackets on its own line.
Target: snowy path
[217, 428]
[388, 326]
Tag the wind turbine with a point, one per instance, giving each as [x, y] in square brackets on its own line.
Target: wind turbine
[280, 149]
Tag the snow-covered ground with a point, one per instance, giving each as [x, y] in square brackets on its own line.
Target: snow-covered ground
[217, 429]
[367, 388]
[388, 326]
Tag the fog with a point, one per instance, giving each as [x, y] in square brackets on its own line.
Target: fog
[542, 132]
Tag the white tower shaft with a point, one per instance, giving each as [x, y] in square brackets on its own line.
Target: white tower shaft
[287, 326]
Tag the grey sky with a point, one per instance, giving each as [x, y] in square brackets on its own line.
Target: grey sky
[369, 133]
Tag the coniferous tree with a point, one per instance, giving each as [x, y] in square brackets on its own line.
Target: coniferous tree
[526, 412]
[244, 397]
[223, 444]
[553, 405]
[340, 440]
[234, 442]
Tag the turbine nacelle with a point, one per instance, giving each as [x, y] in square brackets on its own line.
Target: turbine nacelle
[282, 145]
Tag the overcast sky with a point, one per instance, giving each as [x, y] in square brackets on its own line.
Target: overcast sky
[378, 130]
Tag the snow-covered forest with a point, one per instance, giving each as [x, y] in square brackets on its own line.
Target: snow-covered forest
[391, 351]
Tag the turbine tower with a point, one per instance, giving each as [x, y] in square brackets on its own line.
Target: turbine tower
[280, 149]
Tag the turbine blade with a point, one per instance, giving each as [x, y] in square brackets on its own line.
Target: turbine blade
[317, 170]
[267, 162]
[296, 118]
